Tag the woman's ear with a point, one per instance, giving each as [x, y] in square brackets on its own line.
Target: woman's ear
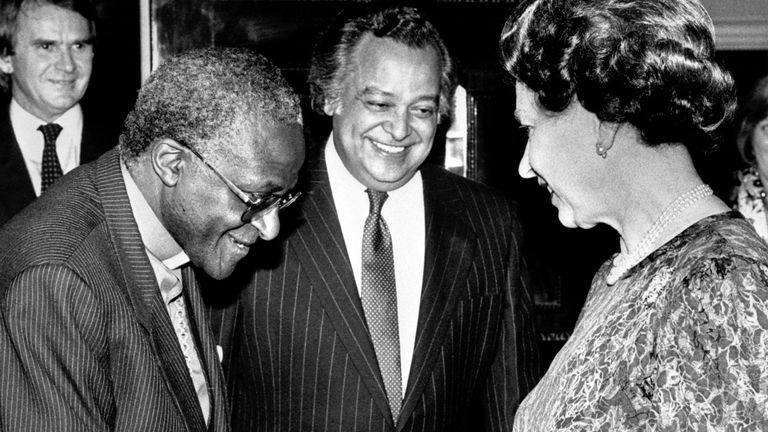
[606, 135]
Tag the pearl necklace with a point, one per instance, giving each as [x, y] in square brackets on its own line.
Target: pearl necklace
[624, 262]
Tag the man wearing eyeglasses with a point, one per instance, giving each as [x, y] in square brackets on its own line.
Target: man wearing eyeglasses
[399, 303]
[103, 325]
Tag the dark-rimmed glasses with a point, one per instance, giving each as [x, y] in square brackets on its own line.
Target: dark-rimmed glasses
[256, 202]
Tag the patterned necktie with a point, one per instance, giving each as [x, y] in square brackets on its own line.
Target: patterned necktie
[51, 166]
[379, 299]
[178, 310]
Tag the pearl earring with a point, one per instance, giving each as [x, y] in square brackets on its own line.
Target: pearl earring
[601, 151]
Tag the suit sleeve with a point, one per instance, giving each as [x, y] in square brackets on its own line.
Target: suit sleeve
[516, 368]
[53, 339]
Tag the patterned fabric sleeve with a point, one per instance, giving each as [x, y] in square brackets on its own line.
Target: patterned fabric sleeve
[712, 369]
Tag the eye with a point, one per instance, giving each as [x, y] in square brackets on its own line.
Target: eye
[44, 45]
[424, 112]
[378, 106]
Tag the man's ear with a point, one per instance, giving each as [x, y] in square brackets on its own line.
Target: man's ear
[332, 107]
[6, 65]
[168, 160]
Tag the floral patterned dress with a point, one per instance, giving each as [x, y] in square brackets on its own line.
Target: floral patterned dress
[680, 343]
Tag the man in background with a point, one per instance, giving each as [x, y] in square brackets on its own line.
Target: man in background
[102, 325]
[399, 301]
[46, 56]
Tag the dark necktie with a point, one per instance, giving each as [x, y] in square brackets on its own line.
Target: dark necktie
[379, 299]
[51, 166]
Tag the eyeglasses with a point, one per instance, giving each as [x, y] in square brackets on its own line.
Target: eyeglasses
[256, 202]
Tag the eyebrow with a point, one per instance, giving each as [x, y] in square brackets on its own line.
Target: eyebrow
[86, 41]
[369, 90]
[375, 91]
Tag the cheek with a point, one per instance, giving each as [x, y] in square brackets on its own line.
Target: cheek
[85, 64]
[426, 130]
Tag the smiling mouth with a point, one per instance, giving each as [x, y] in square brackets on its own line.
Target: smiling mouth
[242, 245]
[387, 148]
[63, 82]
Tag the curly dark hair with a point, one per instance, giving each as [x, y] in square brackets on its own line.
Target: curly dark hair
[332, 57]
[9, 14]
[649, 63]
[205, 97]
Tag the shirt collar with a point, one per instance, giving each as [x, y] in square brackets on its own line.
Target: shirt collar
[157, 240]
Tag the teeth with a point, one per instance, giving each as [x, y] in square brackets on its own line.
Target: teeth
[388, 148]
[239, 244]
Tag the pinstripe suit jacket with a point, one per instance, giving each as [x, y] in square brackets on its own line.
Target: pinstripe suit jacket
[297, 350]
[86, 343]
[16, 190]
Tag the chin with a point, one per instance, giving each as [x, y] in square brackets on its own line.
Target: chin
[221, 272]
[568, 220]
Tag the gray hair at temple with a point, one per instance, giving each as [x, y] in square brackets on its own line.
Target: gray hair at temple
[9, 18]
[206, 97]
[650, 63]
[333, 55]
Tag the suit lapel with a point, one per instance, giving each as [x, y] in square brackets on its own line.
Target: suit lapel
[142, 290]
[449, 250]
[16, 189]
[319, 245]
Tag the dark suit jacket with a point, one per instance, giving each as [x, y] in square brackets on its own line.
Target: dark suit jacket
[16, 191]
[86, 343]
[297, 351]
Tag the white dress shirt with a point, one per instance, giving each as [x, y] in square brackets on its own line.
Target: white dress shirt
[167, 258]
[31, 140]
[403, 212]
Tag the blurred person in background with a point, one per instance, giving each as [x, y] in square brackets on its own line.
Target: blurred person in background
[752, 141]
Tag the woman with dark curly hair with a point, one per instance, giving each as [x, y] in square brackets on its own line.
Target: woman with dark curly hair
[615, 96]
[750, 197]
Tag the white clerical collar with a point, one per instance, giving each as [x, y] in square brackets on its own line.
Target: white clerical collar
[157, 240]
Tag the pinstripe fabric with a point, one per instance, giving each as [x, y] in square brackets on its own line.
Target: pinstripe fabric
[85, 341]
[299, 358]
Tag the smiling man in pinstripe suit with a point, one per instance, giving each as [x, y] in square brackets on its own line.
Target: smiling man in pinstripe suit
[305, 349]
[101, 318]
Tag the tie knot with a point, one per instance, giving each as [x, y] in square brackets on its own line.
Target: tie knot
[376, 200]
[50, 132]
